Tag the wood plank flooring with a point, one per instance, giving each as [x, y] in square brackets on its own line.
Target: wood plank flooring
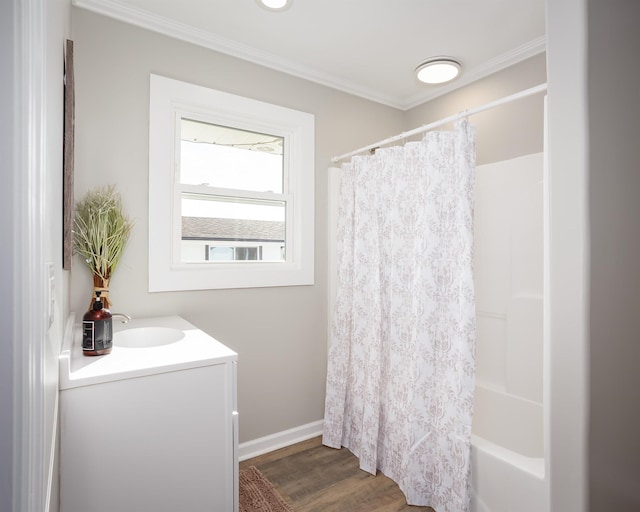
[315, 478]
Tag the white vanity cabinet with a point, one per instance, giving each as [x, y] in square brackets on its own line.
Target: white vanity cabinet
[150, 429]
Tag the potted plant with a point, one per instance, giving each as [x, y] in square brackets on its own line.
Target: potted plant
[101, 231]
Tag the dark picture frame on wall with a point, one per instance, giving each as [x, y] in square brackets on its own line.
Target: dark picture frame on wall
[67, 159]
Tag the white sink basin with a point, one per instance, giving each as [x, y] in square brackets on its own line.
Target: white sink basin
[147, 337]
[142, 346]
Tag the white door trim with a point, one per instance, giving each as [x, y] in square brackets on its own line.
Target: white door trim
[29, 482]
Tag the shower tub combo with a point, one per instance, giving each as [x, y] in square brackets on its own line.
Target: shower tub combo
[507, 454]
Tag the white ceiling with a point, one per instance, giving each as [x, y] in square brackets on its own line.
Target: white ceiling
[365, 47]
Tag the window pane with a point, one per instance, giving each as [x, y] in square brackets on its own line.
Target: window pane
[225, 157]
[219, 229]
[222, 253]
[290, 181]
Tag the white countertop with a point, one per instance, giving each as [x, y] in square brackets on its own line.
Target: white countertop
[195, 349]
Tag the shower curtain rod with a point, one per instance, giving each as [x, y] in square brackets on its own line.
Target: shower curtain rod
[465, 113]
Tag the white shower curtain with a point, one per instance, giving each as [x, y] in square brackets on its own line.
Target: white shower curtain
[402, 353]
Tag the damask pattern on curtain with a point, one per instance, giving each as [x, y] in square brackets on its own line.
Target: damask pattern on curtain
[402, 352]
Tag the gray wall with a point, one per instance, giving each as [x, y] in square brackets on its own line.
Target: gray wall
[594, 353]
[614, 216]
[280, 334]
[8, 388]
[504, 132]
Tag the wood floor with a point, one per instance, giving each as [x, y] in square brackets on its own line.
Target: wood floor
[314, 478]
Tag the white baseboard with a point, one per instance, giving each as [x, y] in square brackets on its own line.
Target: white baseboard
[279, 440]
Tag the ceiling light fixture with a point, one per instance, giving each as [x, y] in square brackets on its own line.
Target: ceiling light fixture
[438, 70]
[275, 5]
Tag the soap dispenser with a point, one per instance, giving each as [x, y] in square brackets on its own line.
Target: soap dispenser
[97, 329]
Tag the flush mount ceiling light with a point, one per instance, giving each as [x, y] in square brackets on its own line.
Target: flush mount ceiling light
[275, 5]
[438, 70]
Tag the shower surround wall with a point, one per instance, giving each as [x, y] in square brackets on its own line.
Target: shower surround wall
[508, 276]
[507, 441]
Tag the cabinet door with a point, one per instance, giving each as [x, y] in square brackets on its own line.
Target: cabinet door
[162, 442]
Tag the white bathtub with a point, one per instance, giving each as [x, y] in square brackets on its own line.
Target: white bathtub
[507, 464]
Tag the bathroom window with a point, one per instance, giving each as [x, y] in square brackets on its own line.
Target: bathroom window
[230, 190]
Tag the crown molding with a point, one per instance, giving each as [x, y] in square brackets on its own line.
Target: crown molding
[144, 19]
[510, 58]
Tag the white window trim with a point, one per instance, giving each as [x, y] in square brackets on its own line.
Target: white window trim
[168, 97]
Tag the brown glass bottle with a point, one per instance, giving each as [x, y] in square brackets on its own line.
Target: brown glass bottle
[97, 331]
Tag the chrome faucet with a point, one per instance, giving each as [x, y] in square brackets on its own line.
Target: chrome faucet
[123, 318]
